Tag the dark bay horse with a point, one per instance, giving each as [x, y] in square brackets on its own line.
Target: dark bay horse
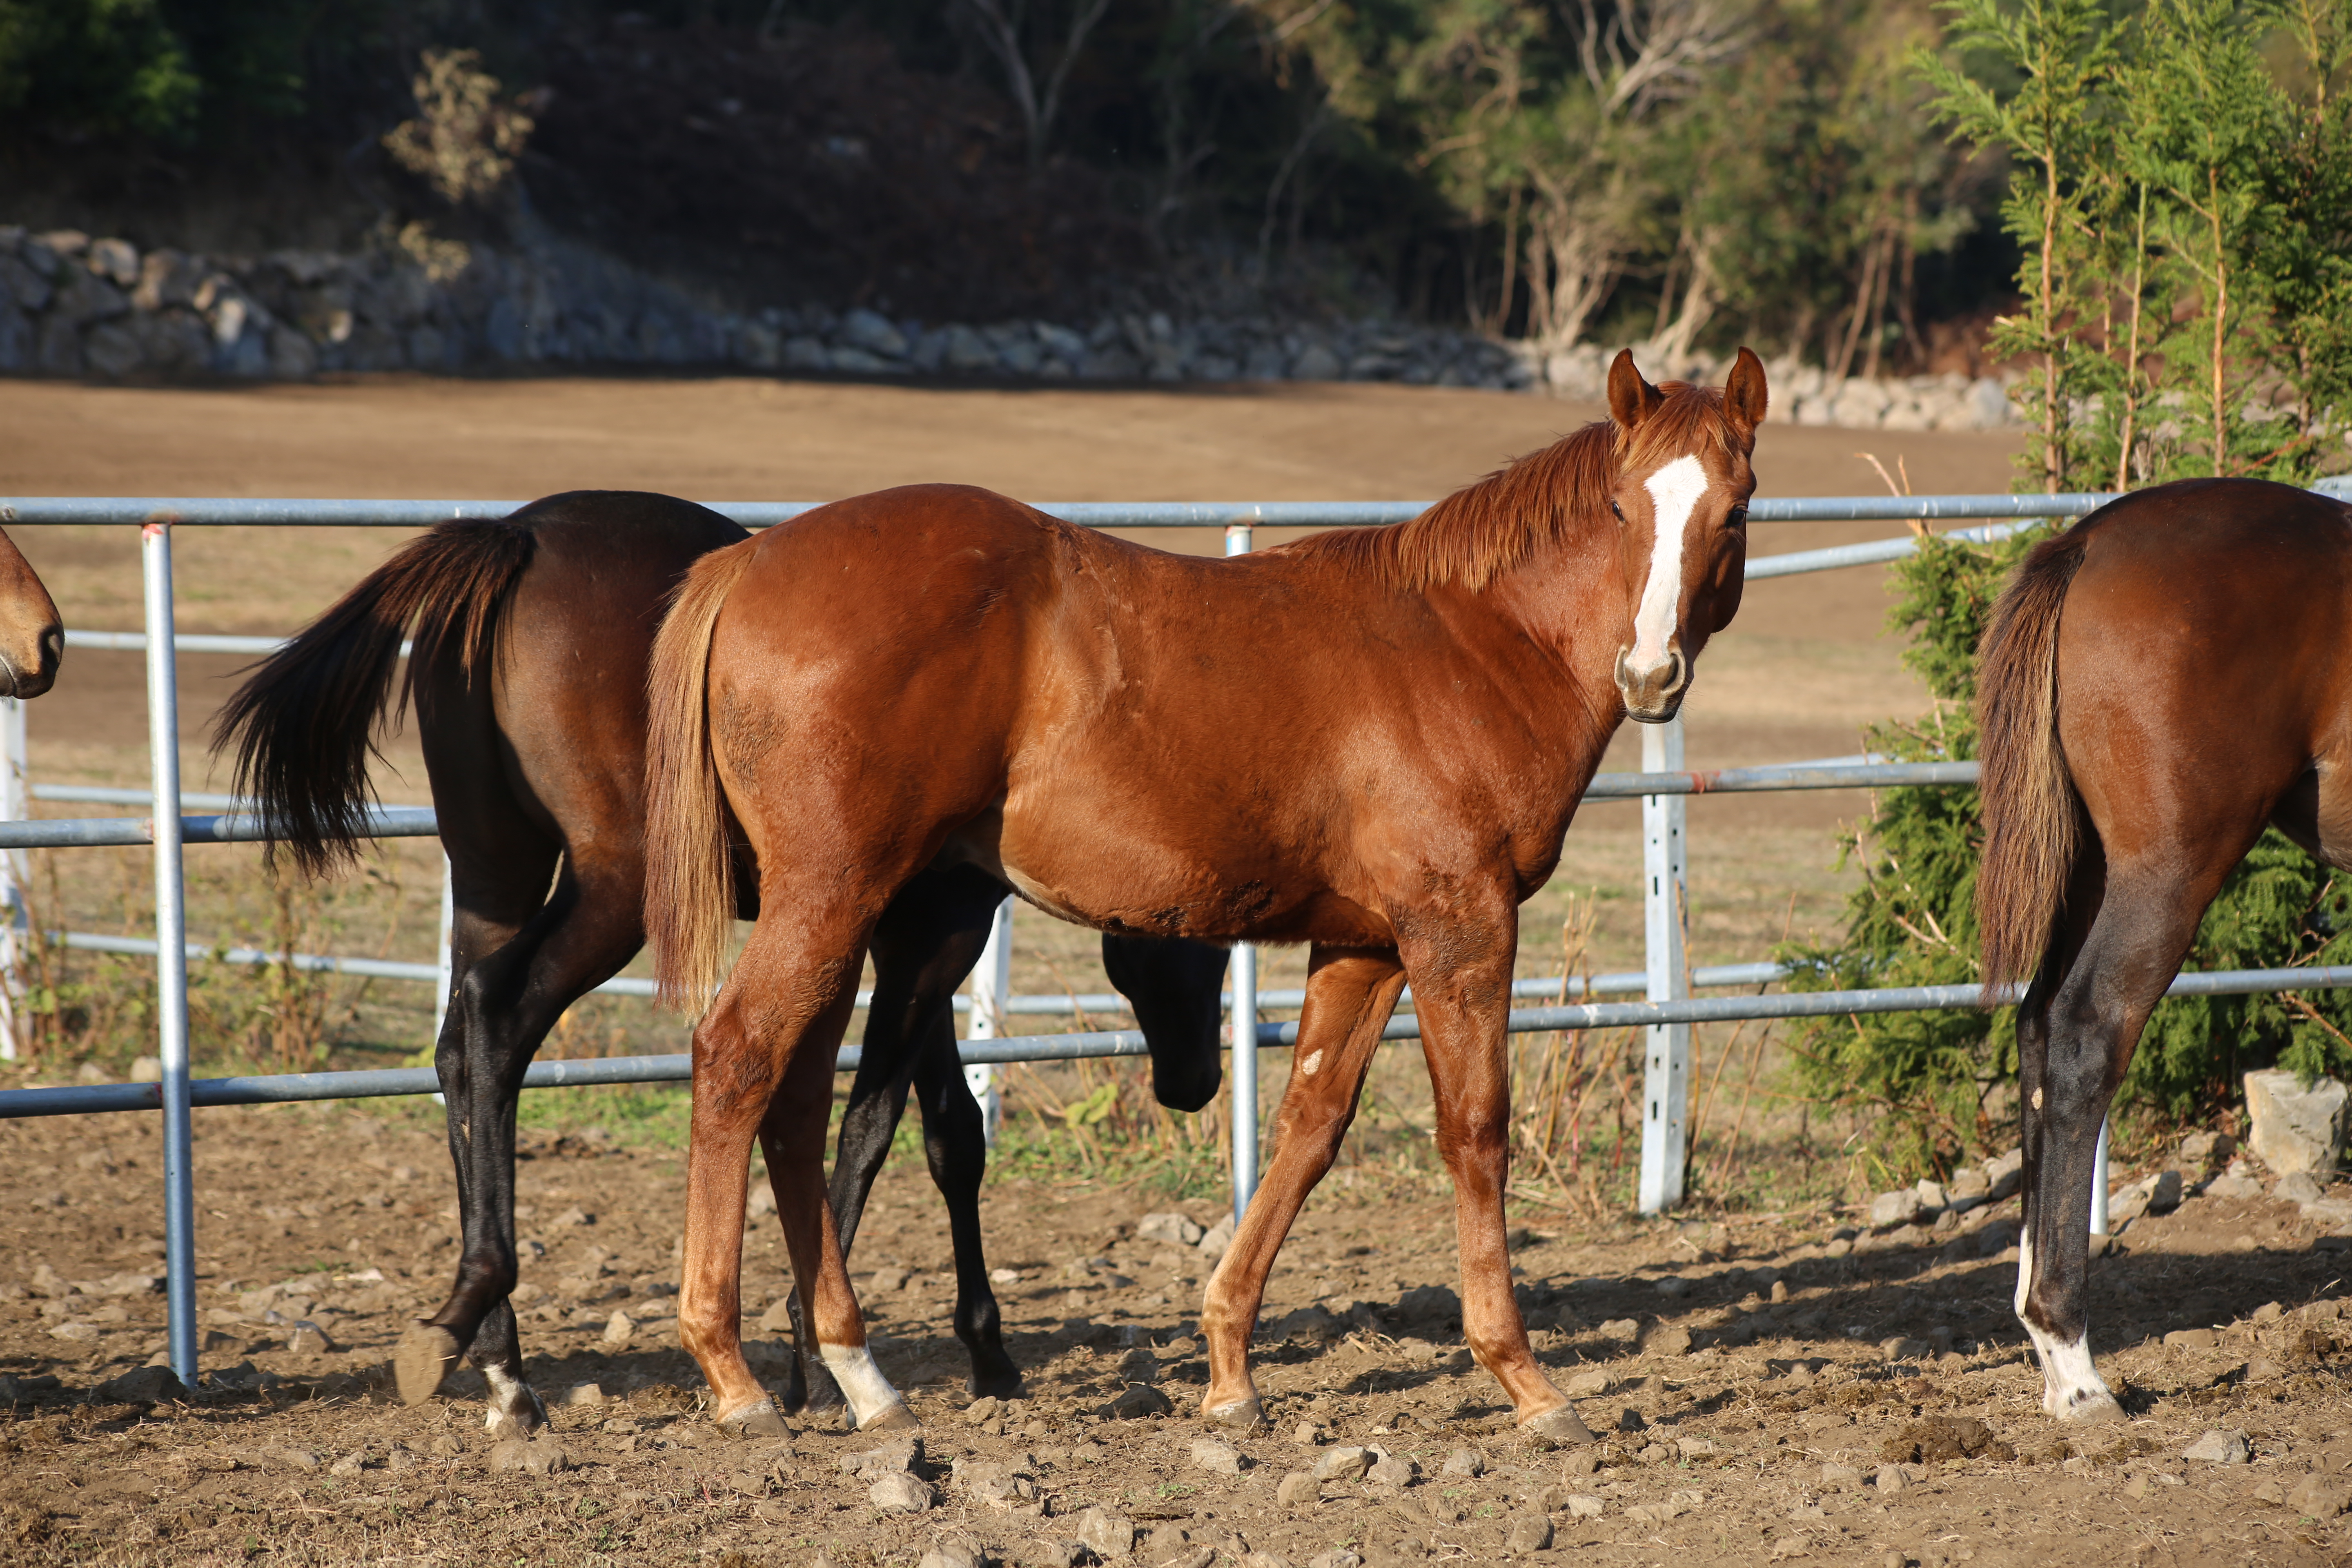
[1371, 741]
[533, 636]
[32, 637]
[2157, 684]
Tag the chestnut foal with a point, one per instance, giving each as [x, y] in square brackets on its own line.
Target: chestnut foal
[938, 676]
[533, 636]
[2172, 675]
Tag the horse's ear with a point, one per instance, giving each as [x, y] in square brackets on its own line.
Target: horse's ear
[1630, 399]
[1744, 395]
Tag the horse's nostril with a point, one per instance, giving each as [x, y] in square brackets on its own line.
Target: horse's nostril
[53, 646]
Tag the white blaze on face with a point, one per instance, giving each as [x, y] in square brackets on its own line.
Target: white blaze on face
[1675, 491]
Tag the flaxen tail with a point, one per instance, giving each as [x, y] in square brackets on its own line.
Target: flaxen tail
[302, 725]
[689, 876]
[2032, 817]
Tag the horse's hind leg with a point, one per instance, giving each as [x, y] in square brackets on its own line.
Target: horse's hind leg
[2126, 928]
[490, 910]
[764, 1059]
[505, 1003]
[925, 944]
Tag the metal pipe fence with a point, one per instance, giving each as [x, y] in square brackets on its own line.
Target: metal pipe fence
[1664, 786]
[85, 1099]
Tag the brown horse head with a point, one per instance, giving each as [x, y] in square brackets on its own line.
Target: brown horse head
[1681, 501]
[32, 639]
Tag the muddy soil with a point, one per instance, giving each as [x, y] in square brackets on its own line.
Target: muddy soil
[1766, 1388]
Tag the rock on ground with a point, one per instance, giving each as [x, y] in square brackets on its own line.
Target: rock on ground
[2220, 1448]
[1901, 1206]
[1217, 1456]
[143, 1385]
[1105, 1533]
[1176, 1229]
[1345, 1464]
[1530, 1532]
[2294, 1128]
[534, 1456]
[899, 1492]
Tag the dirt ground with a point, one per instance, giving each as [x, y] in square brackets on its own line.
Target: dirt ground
[1752, 1381]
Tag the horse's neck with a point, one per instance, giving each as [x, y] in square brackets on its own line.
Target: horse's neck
[1549, 630]
[1569, 601]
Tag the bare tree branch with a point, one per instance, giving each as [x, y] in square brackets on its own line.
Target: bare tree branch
[999, 29]
[1647, 51]
[1080, 26]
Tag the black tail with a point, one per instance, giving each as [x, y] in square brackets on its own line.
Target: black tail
[303, 724]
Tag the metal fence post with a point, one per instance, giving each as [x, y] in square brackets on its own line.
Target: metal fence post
[447, 966]
[1244, 970]
[991, 987]
[171, 951]
[1666, 1053]
[16, 805]
[2099, 1184]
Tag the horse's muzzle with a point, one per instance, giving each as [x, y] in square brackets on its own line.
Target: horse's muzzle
[49, 652]
[1654, 695]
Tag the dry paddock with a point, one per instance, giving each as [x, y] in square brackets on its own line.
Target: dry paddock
[1747, 1411]
[1752, 1381]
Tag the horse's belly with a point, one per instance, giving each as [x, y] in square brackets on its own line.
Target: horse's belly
[2331, 828]
[1078, 872]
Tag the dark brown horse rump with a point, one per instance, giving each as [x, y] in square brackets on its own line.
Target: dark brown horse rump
[1371, 742]
[2157, 684]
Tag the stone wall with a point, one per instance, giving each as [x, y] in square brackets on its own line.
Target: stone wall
[1806, 395]
[72, 306]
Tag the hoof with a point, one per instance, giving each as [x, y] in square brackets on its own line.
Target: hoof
[1241, 1415]
[426, 1353]
[1560, 1428]
[2092, 1411]
[755, 1420]
[1005, 1385]
[892, 1417]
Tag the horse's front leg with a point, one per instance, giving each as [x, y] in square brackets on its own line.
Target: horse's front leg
[1350, 991]
[1462, 991]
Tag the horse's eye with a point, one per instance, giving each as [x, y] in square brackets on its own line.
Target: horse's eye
[1615, 508]
[1738, 519]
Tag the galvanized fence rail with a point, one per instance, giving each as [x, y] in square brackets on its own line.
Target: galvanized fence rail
[1662, 786]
